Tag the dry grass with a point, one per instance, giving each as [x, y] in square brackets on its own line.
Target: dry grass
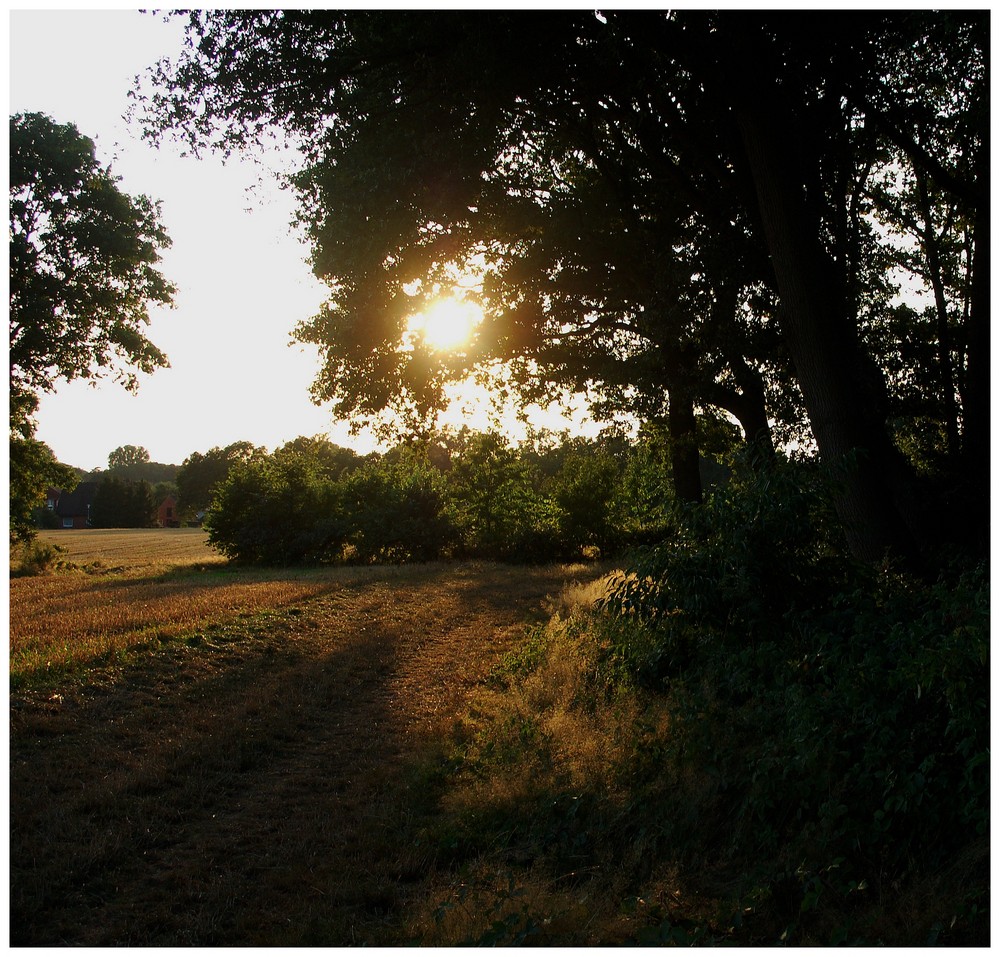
[532, 749]
[134, 550]
[268, 776]
[118, 589]
[64, 620]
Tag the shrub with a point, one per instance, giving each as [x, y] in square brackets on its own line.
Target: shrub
[583, 491]
[277, 510]
[396, 511]
[498, 505]
[732, 572]
[841, 713]
[35, 558]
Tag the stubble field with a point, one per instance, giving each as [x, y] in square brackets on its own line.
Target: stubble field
[208, 756]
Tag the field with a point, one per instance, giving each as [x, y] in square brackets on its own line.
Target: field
[209, 756]
[134, 549]
[438, 754]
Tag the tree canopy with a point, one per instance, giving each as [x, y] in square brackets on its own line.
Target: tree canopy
[83, 258]
[83, 272]
[672, 210]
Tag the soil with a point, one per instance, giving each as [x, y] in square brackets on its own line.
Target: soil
[265, 781]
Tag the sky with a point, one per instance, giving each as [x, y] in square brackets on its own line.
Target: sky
[241, 275]
[242, 278]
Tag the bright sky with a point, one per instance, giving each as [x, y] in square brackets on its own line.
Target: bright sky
[243, 283]
[241, 276]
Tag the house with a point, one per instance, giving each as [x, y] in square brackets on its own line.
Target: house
[166, 513]
[73, 508]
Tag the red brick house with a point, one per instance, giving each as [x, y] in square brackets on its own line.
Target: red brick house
[166, 514]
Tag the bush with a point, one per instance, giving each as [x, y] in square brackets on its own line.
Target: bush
[499, 508]
[396, 511]
[731, 573]
[583, 491]
[277, 510]
[841, 713]
[35, 558]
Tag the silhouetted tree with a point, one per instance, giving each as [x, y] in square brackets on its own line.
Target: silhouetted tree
[120, 503]
[668, 205]
[83, 258]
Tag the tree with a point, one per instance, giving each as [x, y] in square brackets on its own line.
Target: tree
[201, 473]
[33, 468]
[83, 258]
[333, 459]
[722, 156]
[120, 503]
[126, 457]
[82, 274]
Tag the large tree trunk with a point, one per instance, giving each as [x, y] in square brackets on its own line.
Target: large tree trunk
[748, 401]
[840, 384]
[749, 409]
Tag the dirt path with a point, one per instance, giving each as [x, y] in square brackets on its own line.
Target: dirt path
[259, 783]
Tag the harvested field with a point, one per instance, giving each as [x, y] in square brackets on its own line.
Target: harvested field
[133, 549]
[257, 777]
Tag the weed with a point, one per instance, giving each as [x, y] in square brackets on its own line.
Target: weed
[36, 558]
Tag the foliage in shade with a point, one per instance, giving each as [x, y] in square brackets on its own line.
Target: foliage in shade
[200, 473]
[764, 741]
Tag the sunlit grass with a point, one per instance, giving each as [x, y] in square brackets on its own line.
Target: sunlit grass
[68, 620]
[539, 798]
[126, 588]
[131, 550]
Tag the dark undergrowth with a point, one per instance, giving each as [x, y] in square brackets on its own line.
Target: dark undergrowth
[750, 741]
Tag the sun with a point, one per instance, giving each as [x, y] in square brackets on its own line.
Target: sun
[447, 324]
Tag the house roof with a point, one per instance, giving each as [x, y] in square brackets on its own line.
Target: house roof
[76, 502]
